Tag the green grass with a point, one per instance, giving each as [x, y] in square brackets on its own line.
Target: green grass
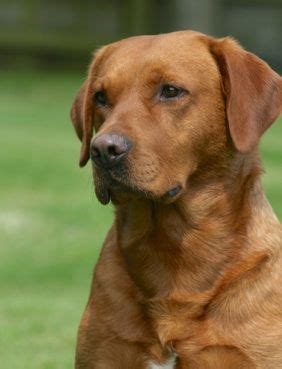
[51, 225]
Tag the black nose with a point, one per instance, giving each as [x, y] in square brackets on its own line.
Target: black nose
[109, 148]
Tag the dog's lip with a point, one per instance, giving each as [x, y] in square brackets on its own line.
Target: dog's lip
[107, 185]
[173, 193]
[104, 195]
[114, 184]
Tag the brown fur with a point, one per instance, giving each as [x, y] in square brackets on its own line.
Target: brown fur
[198, 274]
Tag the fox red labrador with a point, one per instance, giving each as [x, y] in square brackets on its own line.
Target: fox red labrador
[190, 273]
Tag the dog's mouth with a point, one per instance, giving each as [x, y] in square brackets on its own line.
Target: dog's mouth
[108, 188]
[117, 186]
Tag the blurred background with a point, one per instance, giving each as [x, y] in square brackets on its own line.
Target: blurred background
[51, 225]
[53, 33]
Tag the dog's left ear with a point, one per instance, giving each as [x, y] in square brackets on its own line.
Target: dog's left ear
[82, 119]
[252, 89]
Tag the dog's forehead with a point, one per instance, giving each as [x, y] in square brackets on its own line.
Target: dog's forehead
[167, 52]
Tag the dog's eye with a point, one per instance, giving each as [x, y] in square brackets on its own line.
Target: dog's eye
[100, 98]
[170, 92]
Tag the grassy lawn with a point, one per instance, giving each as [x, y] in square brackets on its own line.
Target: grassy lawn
[51, 225]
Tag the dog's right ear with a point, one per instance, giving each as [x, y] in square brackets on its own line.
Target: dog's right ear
[82, 119]
[82, 111]
[77, 111]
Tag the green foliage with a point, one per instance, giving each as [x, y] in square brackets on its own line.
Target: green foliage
[51, 225]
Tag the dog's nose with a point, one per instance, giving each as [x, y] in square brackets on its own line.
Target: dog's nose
[108, 149]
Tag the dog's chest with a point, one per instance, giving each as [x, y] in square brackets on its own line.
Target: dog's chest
[169, 364]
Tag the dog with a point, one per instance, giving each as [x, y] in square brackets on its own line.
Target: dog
[190, 272]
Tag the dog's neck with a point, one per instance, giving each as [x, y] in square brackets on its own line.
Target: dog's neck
[192, 241]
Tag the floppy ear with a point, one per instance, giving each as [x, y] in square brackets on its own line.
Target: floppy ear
[82, 112]
[76, 111]
[253, 92]
[82, 118]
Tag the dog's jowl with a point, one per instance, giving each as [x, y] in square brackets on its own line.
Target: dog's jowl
[190, 272]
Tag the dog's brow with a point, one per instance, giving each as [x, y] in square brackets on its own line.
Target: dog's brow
[101, 83]
[156, 75]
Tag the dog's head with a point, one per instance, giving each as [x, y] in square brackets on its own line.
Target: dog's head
[164, 106]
